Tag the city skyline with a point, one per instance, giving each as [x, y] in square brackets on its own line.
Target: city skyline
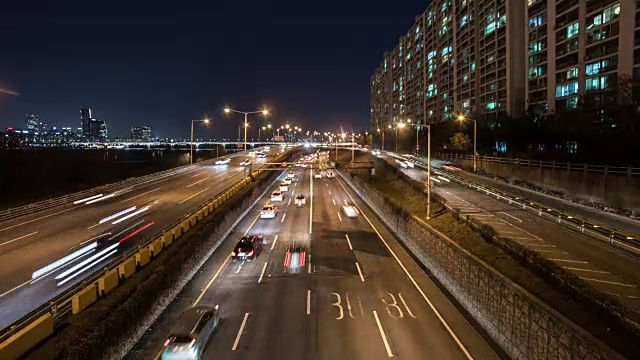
[161, 69]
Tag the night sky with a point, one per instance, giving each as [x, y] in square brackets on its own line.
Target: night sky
[165, 63]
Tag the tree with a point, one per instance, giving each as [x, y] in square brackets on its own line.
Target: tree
[460, 141]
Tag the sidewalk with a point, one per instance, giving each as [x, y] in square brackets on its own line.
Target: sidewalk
[615, 221]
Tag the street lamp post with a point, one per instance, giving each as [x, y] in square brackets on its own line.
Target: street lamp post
[246, 123]
[475, 137]
[206, 121]
[401, 125]
[353, 148]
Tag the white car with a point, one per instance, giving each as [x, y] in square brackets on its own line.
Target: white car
[284, 187]
[222, 162]
[318, 175]
[409, 164]
[268, 212]
[276, 196]
[290, 175]
[245, 163]
[262, 156]
[330, 175]
[287, 181]
[350, 210]
[402, 163]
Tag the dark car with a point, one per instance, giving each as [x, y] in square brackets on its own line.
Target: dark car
[248, 248]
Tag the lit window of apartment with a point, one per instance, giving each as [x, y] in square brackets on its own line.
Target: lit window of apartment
[597, 83]
[572, 102]
[572, 30]
[464, 20]
[532, 2]
[567, 89]
[537, 20]
[537, 59]
[491, 105]
[603, 33]
[603, 65]
[566, 75]
[537, 71]
[604, 16]
[537, 46]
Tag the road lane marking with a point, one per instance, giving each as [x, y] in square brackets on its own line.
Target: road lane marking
[384, 337]
[413, 281]
[283, 217]
[244, 322]
[588, 270]
[334, 201]
[329, 192]
[289, 203]
[239, 267]
[339, 217]
[349, 242]
[308, 302]
[215, 276]
[264, 268]
[571, 261]
[309, 265]
[92, 226]
[275, 240]
[608, 282]
[144, 193]
[15, 288]
[196, 194]
[511, 216]
[250, 226]
[18, 238]
[197, 182]
[198, 174]
[359, 271]
[310, 203]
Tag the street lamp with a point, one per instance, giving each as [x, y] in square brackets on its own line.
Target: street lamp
[398, 125]
[264, 112]
[206, 121]
[475, 136]
[428, 160]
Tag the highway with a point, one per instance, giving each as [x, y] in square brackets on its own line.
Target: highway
[30, 243]
[601, 266]
[611, 220]
[358, 295]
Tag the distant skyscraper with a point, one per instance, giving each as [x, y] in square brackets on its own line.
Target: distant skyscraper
[85, 120]
[141, 133]
[33, 122]
[97, 130]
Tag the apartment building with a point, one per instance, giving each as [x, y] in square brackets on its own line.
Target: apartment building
[486, 57]
[460, 56]
[577, 48]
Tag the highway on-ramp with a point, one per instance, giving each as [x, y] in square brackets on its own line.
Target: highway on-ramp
[30, 244]
[351, 292]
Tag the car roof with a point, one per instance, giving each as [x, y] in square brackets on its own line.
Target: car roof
[187, 321]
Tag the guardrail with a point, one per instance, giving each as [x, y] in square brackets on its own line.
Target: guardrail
[27, 332]
[121, 185]
[623, 241]
[600, 169]
[523, 326]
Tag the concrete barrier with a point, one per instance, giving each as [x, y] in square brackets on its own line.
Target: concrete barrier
[200, 214]
[143, 256]
[27, 338]
[108, 282]
[193, 220]
[185, 226]
[211, 206]
[205, 211]
[156, 247]
[167, 239]
[176, 231]
[127, 268]
[84, 298]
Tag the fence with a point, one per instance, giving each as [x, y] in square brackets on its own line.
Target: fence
[586, 168]
[521, 325]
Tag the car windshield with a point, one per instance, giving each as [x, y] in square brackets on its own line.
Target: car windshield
[244, 245]
[179, 339]
[267, 208]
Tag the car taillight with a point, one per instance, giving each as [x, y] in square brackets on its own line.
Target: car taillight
[233, 253]
[250, 253]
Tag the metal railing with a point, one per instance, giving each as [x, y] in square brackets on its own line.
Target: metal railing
[61, 304]
[623, 241]
[118, 186]
[598, 169]
[523, 326]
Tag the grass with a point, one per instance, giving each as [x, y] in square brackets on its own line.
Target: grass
[588, 316]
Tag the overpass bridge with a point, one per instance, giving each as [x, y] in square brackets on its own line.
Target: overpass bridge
[199, 145]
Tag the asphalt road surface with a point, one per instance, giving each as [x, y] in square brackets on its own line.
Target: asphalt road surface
[601, 266]
[31, 242]
[358, 295]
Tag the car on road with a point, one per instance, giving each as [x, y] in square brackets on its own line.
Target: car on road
[248, 248]
[409, 164]
[191, 332]
[350, 210]
[268, 212]
[330, 175]
[284, 187]
[276, 196]
[317, 175]
[300, 200]
[287, 181]
[291, 175]
[262, 155]
[222, 162]
[245, 163]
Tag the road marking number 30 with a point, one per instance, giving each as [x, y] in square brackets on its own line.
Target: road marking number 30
[395, 305]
